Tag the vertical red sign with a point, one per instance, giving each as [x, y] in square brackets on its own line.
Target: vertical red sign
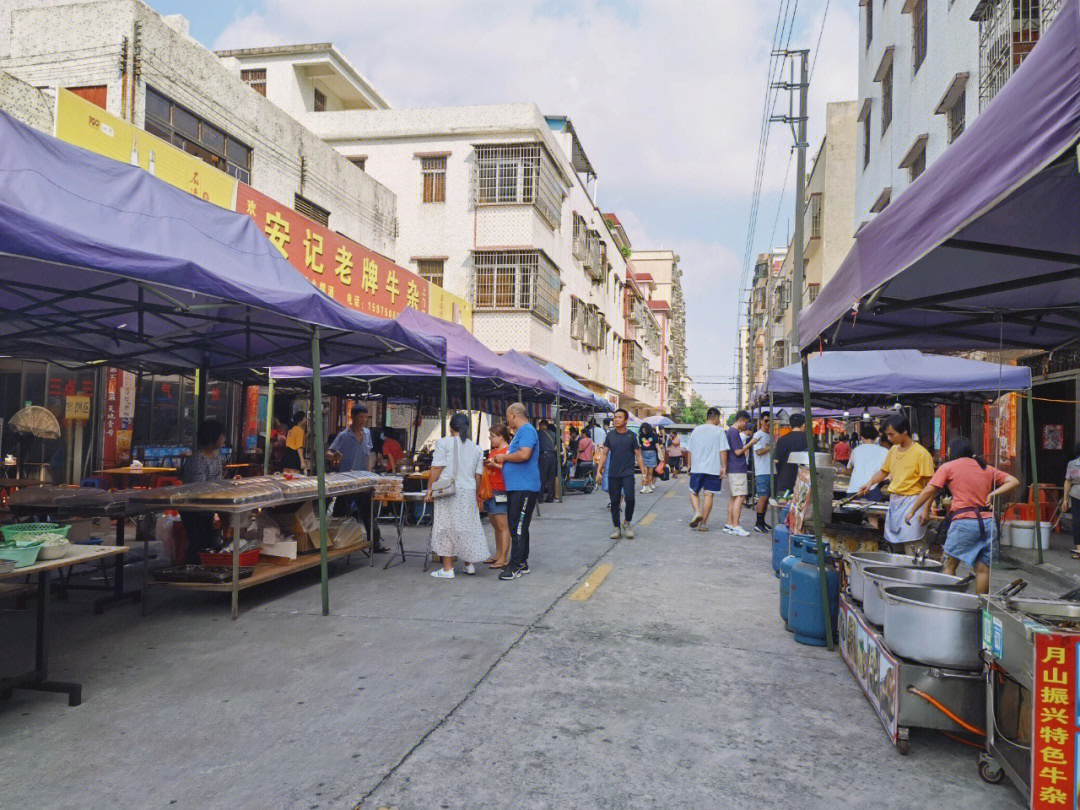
[1054, 722]
[251, 419]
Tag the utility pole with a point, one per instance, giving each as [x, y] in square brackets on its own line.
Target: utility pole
[798, 131]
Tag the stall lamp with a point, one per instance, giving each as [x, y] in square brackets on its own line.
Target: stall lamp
[846, 414]
[866, 416]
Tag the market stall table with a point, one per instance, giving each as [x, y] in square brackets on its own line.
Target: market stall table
[399, 523]
[63, 502]
[131, 476]
[38, 678]
[236, 498]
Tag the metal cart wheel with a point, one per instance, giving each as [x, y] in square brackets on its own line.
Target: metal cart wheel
[989, 770]
[903, 742]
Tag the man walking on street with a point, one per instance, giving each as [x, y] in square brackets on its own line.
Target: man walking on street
[547, 461]
[738, 470]
[352, 449]
[521, 472]
[762, 472]
[622, 448]
[706, 457]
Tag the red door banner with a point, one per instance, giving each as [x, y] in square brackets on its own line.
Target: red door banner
[119, 417]
[345, 270]
[1055, 724]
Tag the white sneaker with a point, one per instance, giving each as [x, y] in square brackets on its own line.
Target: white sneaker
[441, 573]
[739, 531]
[628, 532]
[615, 535]
[644, 490]
[728, 529]
[469, 569]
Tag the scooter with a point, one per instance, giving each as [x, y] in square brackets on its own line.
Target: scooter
[584, 480]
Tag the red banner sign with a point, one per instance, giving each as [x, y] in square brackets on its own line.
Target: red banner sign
[1055, 738]
[119, 416]
[345, 270]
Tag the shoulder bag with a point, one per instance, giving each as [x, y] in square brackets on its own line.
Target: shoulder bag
[445, 487]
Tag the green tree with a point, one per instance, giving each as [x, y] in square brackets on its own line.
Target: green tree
[694, 413]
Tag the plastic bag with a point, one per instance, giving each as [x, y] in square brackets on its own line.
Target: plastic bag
[166, 533]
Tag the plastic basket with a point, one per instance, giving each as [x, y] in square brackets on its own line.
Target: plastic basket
[247, 558]
[14, 530]
[23, 556]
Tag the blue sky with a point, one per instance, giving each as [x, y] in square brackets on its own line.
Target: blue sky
[666, 96]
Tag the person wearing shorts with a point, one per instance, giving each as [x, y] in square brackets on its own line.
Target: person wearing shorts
[762, 470]
[738, 469]
[706, 456]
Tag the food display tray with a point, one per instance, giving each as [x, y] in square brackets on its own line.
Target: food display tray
[216, 574]
[71, 500]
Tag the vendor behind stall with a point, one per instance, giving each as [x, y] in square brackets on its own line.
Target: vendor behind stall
[205, 464]
[293, 459]
[972, 531]
[909, 467]
[352, 449]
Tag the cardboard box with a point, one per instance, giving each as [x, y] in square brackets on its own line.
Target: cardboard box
[280, 552]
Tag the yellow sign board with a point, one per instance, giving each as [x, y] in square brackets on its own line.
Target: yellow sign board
[77, 408]
[84, 124]
[449, 307]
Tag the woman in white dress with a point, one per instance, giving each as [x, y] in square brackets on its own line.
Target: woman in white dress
[456, 531]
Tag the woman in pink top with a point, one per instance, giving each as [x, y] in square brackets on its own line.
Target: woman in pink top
[972, 531]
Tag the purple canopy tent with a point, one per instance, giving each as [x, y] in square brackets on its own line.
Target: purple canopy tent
[848, 378]
[584, 393]
[983, 250]
[101, 262]
[577, 395]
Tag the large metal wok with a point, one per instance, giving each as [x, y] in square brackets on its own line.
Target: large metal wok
[932, 626]
[859, 560]
[878, 577]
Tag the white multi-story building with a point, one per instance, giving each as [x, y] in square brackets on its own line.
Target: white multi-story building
[926, 70]
[494, 204]
[146, 68]
[665, 299]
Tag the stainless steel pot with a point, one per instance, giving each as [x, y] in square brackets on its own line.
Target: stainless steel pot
[932, 626]
[859, 560]
[878, 577]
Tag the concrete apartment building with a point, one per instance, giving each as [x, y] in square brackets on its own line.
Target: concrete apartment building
[661, 267]
[494, 204]
[181, 91]
[926, 70]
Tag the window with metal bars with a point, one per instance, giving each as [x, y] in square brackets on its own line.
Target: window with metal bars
[520, 173]
[185, 130]
[517, 280]
[918, 35]
[302, 205]
[593, 327]
[577, 318]
[886, 99]
[433, 171]
[318, 100]
[579, 247]
[431, 270]
[918, 166]
[255, 78]
[955, 116]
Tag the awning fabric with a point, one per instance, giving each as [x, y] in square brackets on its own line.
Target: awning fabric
[565, 379]
[883, 375]
[100, 260]
[466, 356]
[576, 394]
[985, 245]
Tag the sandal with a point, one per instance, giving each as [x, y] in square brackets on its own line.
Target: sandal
[490, 560]
[1076, 554]
[497, 567]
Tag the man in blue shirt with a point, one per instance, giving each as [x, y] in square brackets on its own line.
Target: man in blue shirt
[351, 449]
[521, 472]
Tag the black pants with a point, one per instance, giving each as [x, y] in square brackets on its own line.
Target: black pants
[359, 507]
[519, 509]
[621, 487]
[1074, 511]
[548, 470]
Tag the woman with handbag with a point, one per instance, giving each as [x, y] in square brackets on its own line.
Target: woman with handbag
[495, 503]
[456, 469]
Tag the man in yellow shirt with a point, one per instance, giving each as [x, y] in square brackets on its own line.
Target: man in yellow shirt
[909, 467]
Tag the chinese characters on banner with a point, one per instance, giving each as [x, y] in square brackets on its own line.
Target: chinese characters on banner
[251, 419]
[345, 270]
[119, 416]
[1055, 737]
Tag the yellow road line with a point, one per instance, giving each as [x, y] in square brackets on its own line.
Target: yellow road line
[671, 494]
[591, 583]
[649, 518]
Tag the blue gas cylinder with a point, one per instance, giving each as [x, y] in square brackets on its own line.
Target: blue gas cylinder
[780, 535]
[805, 617]
[786, 565]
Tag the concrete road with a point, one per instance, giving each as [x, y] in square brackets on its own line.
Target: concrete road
[674, 685]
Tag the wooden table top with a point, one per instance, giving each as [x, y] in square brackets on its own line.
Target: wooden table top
[76, 554]
[132, 471]
[15, 483]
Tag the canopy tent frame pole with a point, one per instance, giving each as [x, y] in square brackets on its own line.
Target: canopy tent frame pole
[558, 450]
[468, 394]
[1034, 476]
[416, 430]
[772, 451]
[269, 422]
[320, 471]
[442, 402]
[811, 453]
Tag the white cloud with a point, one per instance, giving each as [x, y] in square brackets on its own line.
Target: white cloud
[666, 96]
